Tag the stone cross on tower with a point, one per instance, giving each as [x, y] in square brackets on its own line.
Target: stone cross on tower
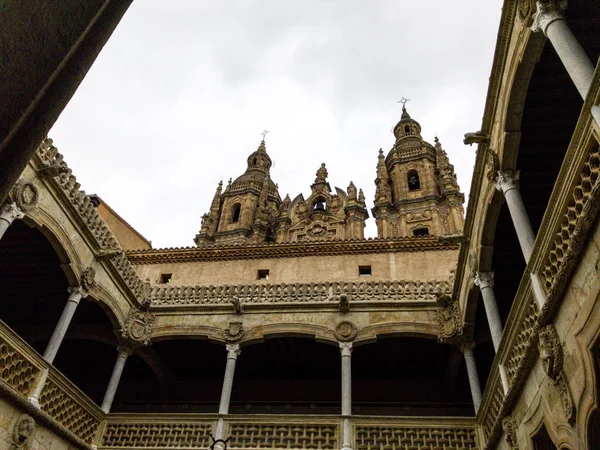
[264, 134]
[403, 101]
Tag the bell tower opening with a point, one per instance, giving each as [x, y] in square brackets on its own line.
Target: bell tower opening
[235, 213]
[421, 231]
[414, 184]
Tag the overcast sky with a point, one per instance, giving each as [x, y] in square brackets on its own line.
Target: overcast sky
[178, 98]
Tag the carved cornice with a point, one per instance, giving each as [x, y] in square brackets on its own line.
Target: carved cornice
[290, 250]
[326, 293]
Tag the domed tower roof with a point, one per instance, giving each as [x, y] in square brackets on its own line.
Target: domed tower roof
[259, 164]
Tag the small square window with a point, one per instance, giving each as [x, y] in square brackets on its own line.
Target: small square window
[165, 278]
[364, 271]
[263, 274]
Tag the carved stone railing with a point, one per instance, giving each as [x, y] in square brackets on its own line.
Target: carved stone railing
[52, 163]
[20, 366]
[562, 238]
[277, 432]
[299, 293]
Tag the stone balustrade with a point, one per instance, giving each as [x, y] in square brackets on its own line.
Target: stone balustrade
[325, 293]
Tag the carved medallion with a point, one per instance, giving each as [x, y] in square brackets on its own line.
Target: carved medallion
[25, 195]
[234, 332]
[138, 326]
[23, 432]
[345, 331]
[448, 319]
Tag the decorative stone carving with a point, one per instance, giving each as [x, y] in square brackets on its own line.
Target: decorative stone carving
[138, 327]
[551, 352]
[238, 306]
[448, 319]
[547, 12]
[525, 11]
[507, 180]
[23, 432]
[321, 174]
[510, 432]
[88, 279]
[345, 331]
[25, 195]
[234, 332]
[484, 280]
[10, 212]
[418, 216]
[492, 165]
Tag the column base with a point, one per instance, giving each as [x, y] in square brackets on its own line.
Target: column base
[34, 401]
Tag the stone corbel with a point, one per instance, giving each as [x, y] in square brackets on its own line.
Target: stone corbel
[344, 304]
[138, 327]
[237, 304]
[509, 425]
[448, 319]
[107, 253]
[551, 354]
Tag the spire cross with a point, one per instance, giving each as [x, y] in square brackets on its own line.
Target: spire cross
[403, 101]
[264, 134]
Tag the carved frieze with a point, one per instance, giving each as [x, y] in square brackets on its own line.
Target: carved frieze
[345, 331]
[234, 331]
[138, 327]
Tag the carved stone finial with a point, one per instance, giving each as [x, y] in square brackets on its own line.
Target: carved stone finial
[510, 432]
[321, 174]
[23, 431]
[507, 180]
[547, 12]
[234, 332]
[138, 326]
[484, 280]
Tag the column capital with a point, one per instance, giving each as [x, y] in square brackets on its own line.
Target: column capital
[546, 13]
[233, 351]
[77, 290]
[346, 348]
[467, 347]
[10, 212]
[484, 280]
[507, 180]
[125, 350]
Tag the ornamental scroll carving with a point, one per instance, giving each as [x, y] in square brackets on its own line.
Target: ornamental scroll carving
[23, 432]
[448, 319]
[301, 293]
[138, 327]
[551, 354]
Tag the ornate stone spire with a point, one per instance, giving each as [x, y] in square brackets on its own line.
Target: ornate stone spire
[407, 127]
[383, 192]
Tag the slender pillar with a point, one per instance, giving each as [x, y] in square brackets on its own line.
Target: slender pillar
[346, 350]
[467, 349]
[507, 183]
[109, 395]
[549, 20]
[538, 290]
[233, 351]
[485, 281]
[503, 378]
[8, 213]
[76, 294]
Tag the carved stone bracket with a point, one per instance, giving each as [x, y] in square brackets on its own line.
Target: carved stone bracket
[448, 319]
[345, 331]
[509, 425]
[138, 326]
[551, 354]
[237, 304]
[23, 432]
[234, 331]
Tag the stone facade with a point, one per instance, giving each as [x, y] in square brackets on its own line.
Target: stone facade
[268, 268]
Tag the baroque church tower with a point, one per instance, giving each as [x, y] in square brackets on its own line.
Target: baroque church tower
[247, 211]
[416, 189]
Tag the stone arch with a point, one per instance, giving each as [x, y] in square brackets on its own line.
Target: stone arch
[371, 333]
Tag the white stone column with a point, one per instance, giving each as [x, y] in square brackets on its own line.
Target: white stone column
[549, 20]
[346, 350]
[8, 213]
[233, 351]
[485, 281]
[467, 349]
[76, 294]
[109, 395]
[507, 183]
[538, 291]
